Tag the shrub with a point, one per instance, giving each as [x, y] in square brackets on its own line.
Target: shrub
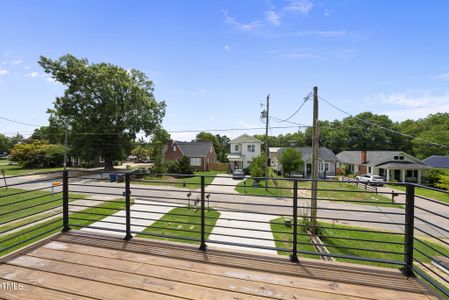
[38, 154]
[257, 167]
[291, 161]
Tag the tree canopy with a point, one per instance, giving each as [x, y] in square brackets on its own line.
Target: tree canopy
[291, 160]
[105, 105]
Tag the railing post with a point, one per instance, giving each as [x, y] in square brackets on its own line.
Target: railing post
[65, 201]
[409, 230]
[203, 246]
[128, 206]
[294, 255]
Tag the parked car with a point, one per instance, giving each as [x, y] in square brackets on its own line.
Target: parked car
[370, 179]
[238, 174]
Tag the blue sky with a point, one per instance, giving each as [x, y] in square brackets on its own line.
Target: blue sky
[214, 62]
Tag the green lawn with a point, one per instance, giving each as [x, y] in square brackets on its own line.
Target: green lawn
[283, 236]
[193, 182]
[332, 237]
[424, 192]
[41, 230]
[182, 218]
[19, 170]
[284, 188]
[43, 201]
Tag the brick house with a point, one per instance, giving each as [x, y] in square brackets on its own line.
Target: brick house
[201, 154]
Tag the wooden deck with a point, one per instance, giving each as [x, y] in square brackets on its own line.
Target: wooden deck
[79, 265]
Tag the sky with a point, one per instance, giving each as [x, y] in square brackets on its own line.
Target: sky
[215, 62]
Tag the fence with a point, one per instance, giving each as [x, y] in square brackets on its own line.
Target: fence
[356, 225]
[218, 166]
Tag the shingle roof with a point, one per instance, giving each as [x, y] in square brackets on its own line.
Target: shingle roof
[373, 157]
[437, 161]
[244, 138]
[324, 153]
[194, 149]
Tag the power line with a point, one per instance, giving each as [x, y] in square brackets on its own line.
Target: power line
[383, 127]
[306, 98]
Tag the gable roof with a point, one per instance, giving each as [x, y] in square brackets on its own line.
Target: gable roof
[194, 149]
[324, 153]
[437, 161]
[244, 138]
[373, 157]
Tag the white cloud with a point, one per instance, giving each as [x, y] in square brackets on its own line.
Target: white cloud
[227, 48]
[299, 6]
[242, 26]
[16, 62]
[414, 104]
[32, 74]
[26, 67]
[273, 17]
[3, 72]
[201, 91]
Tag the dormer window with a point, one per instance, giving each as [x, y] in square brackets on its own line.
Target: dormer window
[399, 157]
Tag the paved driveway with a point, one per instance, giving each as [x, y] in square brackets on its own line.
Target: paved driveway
[223, 184]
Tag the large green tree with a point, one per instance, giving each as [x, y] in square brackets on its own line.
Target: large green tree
[105, 105]
[291, 161]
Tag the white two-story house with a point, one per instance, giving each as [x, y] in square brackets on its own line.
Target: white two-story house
[243, 149]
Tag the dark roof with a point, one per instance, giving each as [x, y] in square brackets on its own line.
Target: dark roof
[405, 165]
[437, 161]
[244, 138]
[324, 153]
[194, 149]
[374, 157]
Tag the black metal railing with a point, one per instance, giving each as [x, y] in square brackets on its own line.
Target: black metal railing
[354, 222]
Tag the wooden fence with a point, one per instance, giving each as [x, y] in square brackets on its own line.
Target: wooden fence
[218, 166]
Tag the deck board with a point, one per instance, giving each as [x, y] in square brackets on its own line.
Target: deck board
[79, 265]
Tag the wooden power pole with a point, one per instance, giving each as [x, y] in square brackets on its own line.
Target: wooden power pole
[267, 151]
[315, 144]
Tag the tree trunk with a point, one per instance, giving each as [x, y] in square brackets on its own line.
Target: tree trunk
[108, 165]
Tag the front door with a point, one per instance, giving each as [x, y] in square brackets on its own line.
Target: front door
[308, 170]
[397, 175]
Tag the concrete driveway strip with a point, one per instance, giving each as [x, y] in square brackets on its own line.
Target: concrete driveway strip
[243, 229]
[147, 213]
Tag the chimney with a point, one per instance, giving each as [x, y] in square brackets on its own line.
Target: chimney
[363, 157]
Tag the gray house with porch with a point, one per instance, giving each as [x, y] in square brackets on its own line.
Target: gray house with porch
[391, 165]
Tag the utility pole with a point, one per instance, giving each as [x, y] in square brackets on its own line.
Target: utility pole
[267, 152]
[315, 143]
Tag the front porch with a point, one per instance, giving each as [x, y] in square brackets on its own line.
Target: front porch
[401, 172]
[80, 265]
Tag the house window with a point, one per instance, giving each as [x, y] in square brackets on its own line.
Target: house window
[326, 167]
[195, 161]
[369, 170]
[409, 173]
[399, 157]
[174, 148]
[251, 148]
[236, 147]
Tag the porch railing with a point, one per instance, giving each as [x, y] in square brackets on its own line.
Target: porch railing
[358, 225]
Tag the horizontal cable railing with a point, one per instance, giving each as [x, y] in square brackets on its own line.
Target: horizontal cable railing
[383, 226]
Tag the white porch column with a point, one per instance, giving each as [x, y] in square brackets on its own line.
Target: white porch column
[402, 175]
[388, 175]
[419, 176]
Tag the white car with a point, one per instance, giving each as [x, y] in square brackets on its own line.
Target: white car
[370, 179]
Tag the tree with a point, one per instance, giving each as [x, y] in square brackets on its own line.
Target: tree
[4, 147]
[105, 105]
[38, 154]
[159, 140]
[257, 167]
[225, 147]
[142, 152]
[207, 136]
[291, 161]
